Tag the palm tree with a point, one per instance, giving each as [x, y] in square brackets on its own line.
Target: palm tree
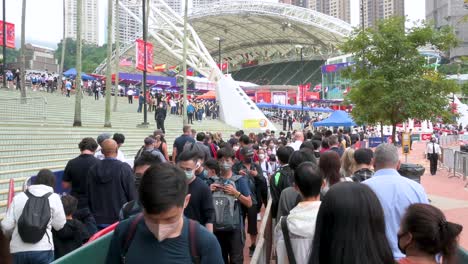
[79, 15]
[117, 57]
[64, 46]
[23, 51]
[107, 121]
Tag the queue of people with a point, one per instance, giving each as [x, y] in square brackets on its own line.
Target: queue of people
[197, 205]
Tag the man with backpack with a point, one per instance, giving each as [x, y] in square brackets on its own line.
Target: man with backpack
[229, 193]
[30, 220]
[149, 147]
[294, 233]
[254, 175]
[161, 233]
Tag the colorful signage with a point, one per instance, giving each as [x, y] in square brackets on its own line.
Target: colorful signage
[140, 55]
[10, 35]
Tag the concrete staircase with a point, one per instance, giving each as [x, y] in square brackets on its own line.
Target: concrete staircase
[29, 143]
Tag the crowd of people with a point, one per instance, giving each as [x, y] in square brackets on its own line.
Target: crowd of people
[332, 202]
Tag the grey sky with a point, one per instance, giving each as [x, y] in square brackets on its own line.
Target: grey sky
[44, 18]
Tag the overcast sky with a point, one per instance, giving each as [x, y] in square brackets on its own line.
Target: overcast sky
[44, 18]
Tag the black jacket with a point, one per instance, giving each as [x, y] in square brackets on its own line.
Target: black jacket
[111, 184]
[160, 113]
[285, 179]
[70, 237]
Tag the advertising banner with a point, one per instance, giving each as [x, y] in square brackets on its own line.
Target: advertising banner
[10, 35]
[140, 55]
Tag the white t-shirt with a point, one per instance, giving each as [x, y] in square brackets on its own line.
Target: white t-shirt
[130, 92]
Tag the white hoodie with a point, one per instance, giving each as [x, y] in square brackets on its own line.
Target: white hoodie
[301, 225]
[57, 220]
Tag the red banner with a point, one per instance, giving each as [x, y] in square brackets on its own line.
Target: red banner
[10, 36]
[426, 136]
[301, 90]
[140, 54]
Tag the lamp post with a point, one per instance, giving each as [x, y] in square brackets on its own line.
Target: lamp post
[4, 46]
[219, 52]
[302, 79]
[184, 62]
[145, 37]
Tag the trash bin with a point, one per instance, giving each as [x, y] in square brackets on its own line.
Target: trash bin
[412, 171]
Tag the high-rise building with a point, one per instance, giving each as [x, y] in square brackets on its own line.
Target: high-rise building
[301, 3]
[340, 9]
[90, 18]
[450, 13]
[375, 10]
[129, 28]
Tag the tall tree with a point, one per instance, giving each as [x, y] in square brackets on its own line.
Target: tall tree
[79, 16]
[64, 46]
[390, 81]
[107, 121]
[23, 51]
[117, 57]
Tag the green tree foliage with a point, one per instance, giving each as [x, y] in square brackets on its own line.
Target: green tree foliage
[92, 55]
[11, 55]
[390, 80]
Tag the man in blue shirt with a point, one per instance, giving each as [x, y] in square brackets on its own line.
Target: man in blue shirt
[161, 234]
[232, 241]
[394, 191]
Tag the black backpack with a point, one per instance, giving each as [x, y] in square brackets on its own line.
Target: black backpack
[33, 222]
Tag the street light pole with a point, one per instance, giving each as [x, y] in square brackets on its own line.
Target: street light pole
[4, 45]
[184, 62]
[219, 52]
[302, 80]
[145, 36]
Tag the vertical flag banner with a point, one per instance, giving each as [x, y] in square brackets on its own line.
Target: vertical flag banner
[10, 35]
[302, 90]
[140, 60]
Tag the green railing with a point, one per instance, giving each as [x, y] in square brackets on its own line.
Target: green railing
[94, 252]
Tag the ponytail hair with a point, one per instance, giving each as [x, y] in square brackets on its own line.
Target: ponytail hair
[431, 232]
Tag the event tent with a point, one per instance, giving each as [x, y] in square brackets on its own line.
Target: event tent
[208, 95]
[294, 107]
[336, 119]
[71, 73]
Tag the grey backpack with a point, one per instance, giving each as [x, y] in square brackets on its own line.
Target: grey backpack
[227, 207]
[33, 222]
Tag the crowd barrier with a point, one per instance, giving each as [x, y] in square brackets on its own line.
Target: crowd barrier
[456, 162]
[448, 140]
[263, 250]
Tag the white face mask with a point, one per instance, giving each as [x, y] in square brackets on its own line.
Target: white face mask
[163, 231]
[235, 148]
[261, 156]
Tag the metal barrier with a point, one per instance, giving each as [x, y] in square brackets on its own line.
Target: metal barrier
[29, 108]
[263, 250]
[448, 158]
[448, 140]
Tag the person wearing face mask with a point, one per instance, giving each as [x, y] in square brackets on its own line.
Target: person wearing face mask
[161, 233]
[200, 208]
[236, 187]
[160, 116]
[212, 171]
[257, 184]
[424, 233]
[140, 165]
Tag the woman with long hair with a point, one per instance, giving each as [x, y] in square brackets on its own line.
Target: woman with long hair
[161, 143]
[330, 165]
[350, 228]
[424, 233]
[348, 164]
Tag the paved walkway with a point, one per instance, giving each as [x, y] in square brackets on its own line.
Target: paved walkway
[446, 193]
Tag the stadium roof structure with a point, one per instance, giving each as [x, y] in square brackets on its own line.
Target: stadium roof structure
[255, 30]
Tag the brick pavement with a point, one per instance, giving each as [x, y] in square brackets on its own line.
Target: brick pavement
[446, 193]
